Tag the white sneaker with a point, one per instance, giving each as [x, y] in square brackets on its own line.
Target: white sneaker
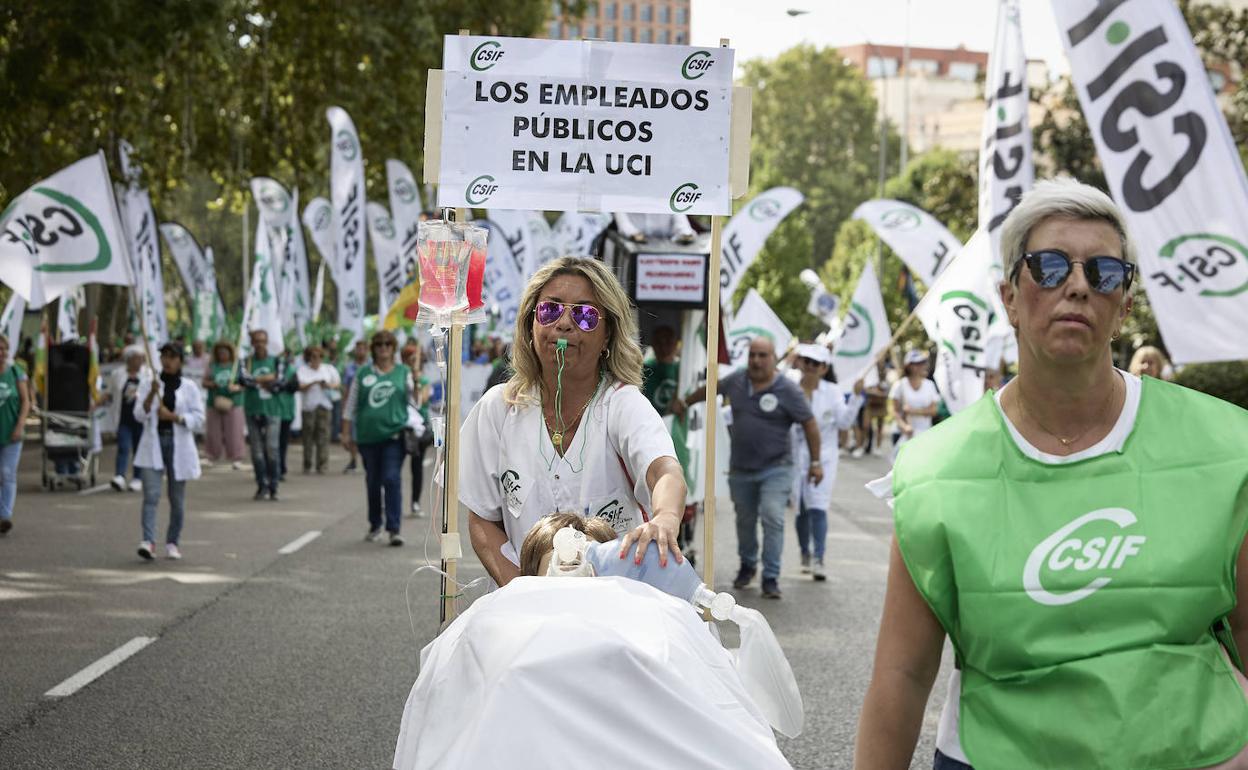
[206, 463]
[136, 485]
[841, 452]
[805, 564]
[857, 453]
[239, 465]
[118, 483]
[172, 552]
[147, 551]
[373, 535]
[816, 571]
[417, 513]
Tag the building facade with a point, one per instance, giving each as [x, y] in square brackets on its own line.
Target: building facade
[624, 21]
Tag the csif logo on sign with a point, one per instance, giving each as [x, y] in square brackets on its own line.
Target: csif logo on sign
[347, 145]
[486, 55]
[1069, 549]
[1209, 264]
[696, 65]
[859, 335]
[274, 197]
[1155, 172]
[899, 219]
[385, 227]
[684, 197]
[480, 189]
[964, 319]
[404, 190]
[763, 209]
[65, 222]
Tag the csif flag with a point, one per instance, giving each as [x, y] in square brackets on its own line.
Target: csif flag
[575, 232]
[196, 267]
[864, 331]
[67, 314]
[755, 318]
[11, 324]
[1171, 165]
[745, 233]
[63, 232]
[391, 277]
[349, 228]
[140, 221]
[405, 210]
[502, 283]
[279, 213]
[924, 244]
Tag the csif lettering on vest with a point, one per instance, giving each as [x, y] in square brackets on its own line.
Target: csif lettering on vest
[1064, 550]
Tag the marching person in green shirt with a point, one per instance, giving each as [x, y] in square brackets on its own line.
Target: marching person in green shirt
[1077, 535]
[14, 406]
[377, 405]
[224, 433]
[262, 377]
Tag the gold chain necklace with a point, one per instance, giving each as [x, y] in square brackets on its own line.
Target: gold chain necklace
[1066, 442]
[556, 436]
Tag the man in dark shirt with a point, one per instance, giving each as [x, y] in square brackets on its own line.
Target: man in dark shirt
[764, 406]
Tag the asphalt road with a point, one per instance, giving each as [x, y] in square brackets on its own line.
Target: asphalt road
[263, 659]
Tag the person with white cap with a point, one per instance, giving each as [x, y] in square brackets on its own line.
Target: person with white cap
[914, 398]
[834, 412]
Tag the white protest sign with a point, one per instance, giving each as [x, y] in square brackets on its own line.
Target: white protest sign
[671, 278]
[924, 244]
[755, 318]
[585, 126]
[1171, 165]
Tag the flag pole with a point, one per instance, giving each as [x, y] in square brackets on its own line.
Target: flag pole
[129, 264]
[712, 407]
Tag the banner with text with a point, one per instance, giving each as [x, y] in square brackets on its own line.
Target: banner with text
[405, 209]
[671, 278]
[566, 125]
[140, 221]
[1171, 165]
[924, 244]
[197, 271]
[745, 233]
[503, 284]
[391, 277]
[346, 172]
[755, 318]
[864, 332]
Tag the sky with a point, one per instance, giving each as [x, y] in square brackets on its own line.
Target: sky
[761, 28]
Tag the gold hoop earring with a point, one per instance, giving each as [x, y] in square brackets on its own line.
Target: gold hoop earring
[1115, 335]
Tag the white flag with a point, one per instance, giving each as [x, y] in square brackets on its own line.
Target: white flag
[745, 233]
[349, 228]
[63, 232]
[279, 211]
[405, 210]
[924, 244]
[864, 332]
[575, 232]
[502, 284]
[391, 277]
[141, 222]
[67, 316]
[544, 247]
[957, 312]
[1171, 165]
[11, 324]
[318, 294]
[195, 265]
[1005, 165]
[261, 311]
[753, 319]
[318, 217]
[513, 226]
[822, 304]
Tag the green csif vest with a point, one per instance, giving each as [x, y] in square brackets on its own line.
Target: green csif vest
[381, 403]
[1080, 598]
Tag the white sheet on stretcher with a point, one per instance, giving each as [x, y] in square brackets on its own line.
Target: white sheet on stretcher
[581, 672]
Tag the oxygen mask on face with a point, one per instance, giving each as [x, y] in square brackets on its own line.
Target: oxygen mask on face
[567, 558]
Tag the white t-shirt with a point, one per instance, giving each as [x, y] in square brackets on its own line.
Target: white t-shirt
[317, 397]
[509, 470]
[926, 395]
[947, 741]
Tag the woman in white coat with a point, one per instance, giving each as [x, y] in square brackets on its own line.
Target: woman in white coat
[172, 411]
[833, 413]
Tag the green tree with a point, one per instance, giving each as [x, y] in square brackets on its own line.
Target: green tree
[815, 129]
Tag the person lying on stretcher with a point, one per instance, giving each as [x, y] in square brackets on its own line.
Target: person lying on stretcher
[635, 670]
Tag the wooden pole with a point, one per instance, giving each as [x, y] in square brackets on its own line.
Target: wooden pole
[451, 548]
[712, 408]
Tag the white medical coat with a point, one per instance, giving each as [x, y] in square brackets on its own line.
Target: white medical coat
[833, 414]
[188, 404]
[509, 470]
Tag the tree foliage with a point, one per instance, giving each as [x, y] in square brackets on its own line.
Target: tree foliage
[815, 129]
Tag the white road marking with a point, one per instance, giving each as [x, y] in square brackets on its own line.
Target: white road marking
[99, 668]
[93, 490]
[299, 542]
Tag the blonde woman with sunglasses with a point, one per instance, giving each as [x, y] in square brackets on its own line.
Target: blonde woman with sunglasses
[571, 430]
[1077, 535]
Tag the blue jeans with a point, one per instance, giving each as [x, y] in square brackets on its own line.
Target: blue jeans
[127, 441]
[383, 471]
[9, 456]
[264, 438]
[812, 529]
[151, 496]
[761, 494]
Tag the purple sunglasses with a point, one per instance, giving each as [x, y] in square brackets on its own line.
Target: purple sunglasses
[586, 317]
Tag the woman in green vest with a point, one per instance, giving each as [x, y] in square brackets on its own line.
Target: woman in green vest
[1076, 535]
[14, 406]
[377, 405]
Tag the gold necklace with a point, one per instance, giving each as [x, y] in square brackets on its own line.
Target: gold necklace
[1066, 442]
[556, 436]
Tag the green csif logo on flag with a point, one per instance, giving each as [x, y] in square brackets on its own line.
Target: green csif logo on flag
[1210, 264]
[66, 223]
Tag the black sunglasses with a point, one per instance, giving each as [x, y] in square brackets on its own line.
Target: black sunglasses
[1050, 268]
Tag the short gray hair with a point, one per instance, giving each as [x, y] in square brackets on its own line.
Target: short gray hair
[1061, 197]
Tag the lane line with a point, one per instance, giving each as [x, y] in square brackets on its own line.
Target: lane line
[299, 542]
[99, 668]
[93, 490]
